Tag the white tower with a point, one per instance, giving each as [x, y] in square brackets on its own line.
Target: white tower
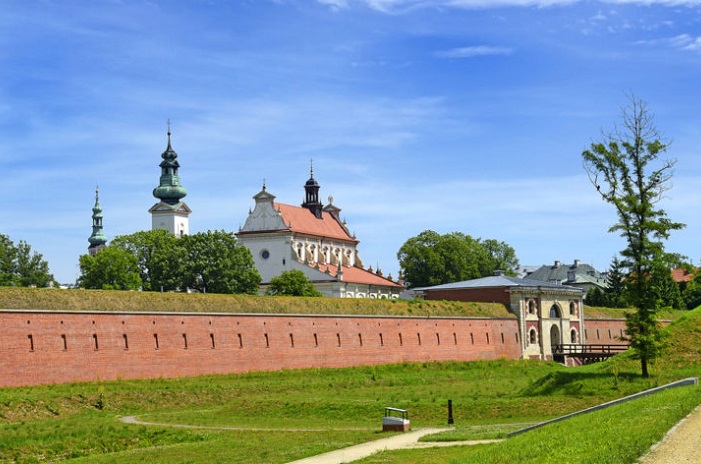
[170, 213]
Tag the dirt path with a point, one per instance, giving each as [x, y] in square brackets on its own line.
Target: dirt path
[363, 450]
[344, 455]
[682, 444]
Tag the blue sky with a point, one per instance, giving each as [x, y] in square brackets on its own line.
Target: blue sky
[450, 115]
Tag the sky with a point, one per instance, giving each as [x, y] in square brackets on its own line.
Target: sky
[448, 115]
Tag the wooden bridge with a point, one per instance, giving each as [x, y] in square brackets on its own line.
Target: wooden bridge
[588, 354]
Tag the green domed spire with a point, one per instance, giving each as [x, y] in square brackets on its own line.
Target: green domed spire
[169, 191]
[97, 239]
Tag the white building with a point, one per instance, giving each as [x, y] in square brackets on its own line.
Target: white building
[313, 239]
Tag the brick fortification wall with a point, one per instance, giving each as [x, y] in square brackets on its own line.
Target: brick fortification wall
[54, 347]
[603, 331]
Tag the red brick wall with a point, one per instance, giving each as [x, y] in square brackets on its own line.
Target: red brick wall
[62, 345]
[603, 331]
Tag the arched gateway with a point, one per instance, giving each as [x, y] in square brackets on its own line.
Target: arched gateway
[536, 304]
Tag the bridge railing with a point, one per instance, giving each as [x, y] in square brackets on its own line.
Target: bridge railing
[575, 349]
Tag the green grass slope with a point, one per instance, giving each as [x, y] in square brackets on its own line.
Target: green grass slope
[110, 300]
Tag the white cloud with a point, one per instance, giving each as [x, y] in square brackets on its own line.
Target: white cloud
[682, 42]
[472, 51]
[335, 4]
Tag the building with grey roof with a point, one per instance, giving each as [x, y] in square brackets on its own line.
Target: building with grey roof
[576, 274]
[549, 313]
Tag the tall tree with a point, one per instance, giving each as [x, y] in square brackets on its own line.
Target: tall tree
[215, 264]
[434, 259]
[628, 173]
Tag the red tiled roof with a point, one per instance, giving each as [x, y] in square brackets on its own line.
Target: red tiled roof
[303, 221]
[356, 275]
[682, 275]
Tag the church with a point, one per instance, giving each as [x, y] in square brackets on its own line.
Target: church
[311, 237]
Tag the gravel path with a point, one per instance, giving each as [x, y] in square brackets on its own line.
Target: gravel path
[682, 444]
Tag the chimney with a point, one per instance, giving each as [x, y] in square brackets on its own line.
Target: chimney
[576, 263]
[557, 263]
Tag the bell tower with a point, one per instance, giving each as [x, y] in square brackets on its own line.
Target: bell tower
[97, 240]
[311, 195]
[170, 213]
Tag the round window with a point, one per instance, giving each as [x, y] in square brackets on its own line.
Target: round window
[265, 254]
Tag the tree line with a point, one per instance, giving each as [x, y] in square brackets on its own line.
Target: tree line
[207, 262]
[157, 260]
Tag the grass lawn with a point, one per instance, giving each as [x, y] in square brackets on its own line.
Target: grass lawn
[65, 423]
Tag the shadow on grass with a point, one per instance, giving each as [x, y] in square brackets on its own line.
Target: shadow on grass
[578, 383]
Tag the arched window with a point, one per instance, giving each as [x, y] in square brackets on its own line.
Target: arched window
[554, 312]
[573, 336]
[573, 308]
[532, 337]
[531, 307]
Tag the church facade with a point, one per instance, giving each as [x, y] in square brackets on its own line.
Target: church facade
[311, 238]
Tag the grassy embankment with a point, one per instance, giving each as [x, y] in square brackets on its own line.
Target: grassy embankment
[78, 423]
[115, 301]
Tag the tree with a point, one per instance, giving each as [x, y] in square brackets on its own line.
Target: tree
[292, 283]
[596, 297]
[112, 268]
[215, 264]
[500, 257]
[8, 255]
[692, 291]
[626, 171]
[666, 290]
[31, 268]
[434, 259]
[21, 266]
[160, 258]
[615, 293]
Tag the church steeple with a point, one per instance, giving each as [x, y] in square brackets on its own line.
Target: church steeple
[311, 195]
[97, 239]
[170, 213]
[169, 190]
